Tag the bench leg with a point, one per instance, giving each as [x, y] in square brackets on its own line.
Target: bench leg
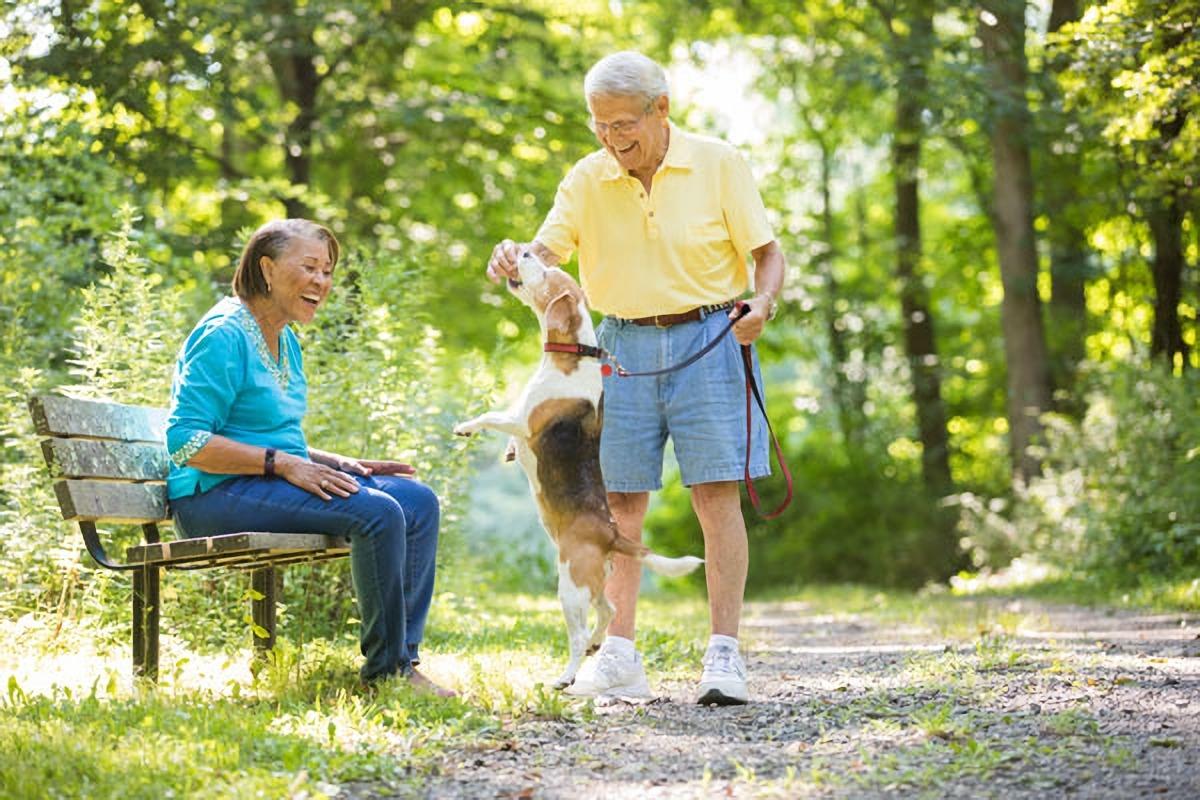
[145, 622]
[263, 611]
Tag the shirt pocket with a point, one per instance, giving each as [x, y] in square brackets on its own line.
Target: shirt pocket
[708, 248]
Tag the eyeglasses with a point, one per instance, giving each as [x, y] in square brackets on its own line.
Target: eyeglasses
[621, 126]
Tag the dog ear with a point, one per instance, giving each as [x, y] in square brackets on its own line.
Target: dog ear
[562, 314]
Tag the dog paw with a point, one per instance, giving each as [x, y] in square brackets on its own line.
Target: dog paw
[563, 682]
[465, 429]
[510, 452]
[592, 650]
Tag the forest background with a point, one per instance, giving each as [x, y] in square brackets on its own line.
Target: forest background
[986, 350]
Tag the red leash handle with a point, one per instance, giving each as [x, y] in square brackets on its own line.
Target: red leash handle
[752, 388]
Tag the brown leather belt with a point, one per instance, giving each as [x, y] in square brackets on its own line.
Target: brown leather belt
[694, 315]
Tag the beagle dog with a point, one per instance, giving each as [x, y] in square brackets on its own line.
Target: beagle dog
[555, 427]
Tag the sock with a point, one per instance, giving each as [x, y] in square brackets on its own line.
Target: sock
[619, 645]
[719, 640]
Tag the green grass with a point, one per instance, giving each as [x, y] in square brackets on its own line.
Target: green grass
[1155, 594]
[73, 724]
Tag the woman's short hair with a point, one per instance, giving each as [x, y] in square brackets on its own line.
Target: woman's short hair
[270, 240]
[626, 74]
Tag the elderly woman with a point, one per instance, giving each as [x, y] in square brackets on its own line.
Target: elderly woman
[664, 222]
[240, 461]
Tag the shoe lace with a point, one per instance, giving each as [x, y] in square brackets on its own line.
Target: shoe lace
[611, 665]
[723, 659]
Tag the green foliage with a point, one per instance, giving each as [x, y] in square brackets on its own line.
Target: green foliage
[850, 521]
[1133, 69]
[1118, 498]
[57, 197]
[124, 347]
[130, 326]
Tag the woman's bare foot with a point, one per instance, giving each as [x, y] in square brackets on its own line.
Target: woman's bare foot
[425, 686]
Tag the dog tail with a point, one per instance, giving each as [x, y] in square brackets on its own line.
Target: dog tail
[670, 567]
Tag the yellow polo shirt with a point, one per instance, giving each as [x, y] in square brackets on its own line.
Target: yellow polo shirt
[683, 245]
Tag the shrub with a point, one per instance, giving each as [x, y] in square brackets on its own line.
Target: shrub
[1120, 494]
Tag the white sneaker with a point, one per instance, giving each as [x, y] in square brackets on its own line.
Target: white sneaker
[609, 674]
[724, 680]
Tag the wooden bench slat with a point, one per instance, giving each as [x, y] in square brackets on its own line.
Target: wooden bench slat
[102, 501]
[252, 546]
[54, 415]
[91, 458]
[252, 561]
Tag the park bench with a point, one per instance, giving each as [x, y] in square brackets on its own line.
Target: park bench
[109, 465]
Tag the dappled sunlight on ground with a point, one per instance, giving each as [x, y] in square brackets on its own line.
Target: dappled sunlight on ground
[81, 659]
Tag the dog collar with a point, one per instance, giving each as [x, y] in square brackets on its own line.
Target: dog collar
[577, 349]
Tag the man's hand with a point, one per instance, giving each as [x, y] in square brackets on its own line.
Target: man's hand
[388, 468]
[750, 327]
[503, 263]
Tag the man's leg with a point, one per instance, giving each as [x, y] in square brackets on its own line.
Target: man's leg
[718, 507]
[629, 511]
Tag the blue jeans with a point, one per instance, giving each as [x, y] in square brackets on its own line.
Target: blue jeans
[700, 408]
[392, 524]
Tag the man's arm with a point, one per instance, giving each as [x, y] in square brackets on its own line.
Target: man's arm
[769, 270]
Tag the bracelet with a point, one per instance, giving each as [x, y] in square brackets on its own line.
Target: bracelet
[269, 463]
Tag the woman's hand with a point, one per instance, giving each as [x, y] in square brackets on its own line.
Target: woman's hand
[320, 478]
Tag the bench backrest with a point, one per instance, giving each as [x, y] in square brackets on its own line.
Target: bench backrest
[108, 460]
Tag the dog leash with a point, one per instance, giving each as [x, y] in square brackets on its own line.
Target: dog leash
[609, 364]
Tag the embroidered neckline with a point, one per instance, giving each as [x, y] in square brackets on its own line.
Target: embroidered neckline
[282, 371]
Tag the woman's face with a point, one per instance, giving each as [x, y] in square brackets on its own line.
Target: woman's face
[633, 131]
[300, 278]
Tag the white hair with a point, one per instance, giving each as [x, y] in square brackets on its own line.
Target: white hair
[626, 74]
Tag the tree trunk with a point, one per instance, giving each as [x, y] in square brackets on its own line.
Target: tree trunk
[1166, 226]
[917, 320]
[1002, 31]
[292, 56]
[1069, 251]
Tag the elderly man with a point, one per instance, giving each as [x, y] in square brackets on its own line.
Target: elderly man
[664, 221]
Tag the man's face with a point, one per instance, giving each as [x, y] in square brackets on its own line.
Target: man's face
[634, 132]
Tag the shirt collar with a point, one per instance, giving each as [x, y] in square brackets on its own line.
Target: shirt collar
[679, 156]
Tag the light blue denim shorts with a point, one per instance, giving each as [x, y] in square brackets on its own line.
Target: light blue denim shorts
[700, 408]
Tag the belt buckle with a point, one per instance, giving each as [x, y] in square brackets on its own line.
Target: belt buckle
[658, 324]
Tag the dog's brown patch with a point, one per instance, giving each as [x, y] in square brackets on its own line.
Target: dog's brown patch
[564, 435]
[565, 438]
[561, 312]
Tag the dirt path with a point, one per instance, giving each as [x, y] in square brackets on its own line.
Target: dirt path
[1032, 701]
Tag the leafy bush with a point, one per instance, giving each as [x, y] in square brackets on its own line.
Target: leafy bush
[854, 518]
[1120, 495]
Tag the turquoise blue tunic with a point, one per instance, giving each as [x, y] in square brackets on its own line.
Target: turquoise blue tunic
[226, 383]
